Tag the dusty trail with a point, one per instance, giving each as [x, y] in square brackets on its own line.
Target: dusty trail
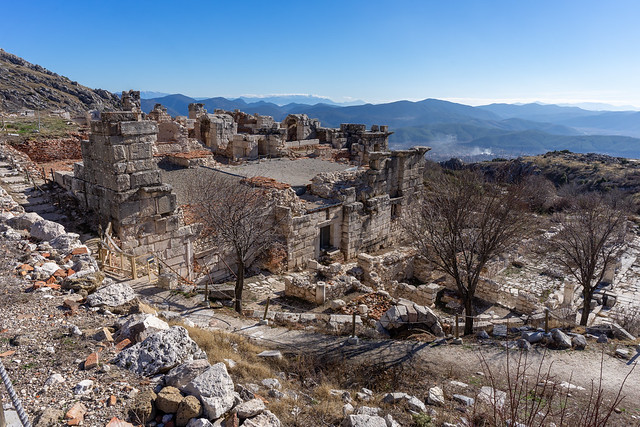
[581, 368]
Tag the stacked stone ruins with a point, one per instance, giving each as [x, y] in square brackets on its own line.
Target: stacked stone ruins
[119, 180]
[353, 211]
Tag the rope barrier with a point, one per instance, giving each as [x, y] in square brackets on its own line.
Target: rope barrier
[14, 397]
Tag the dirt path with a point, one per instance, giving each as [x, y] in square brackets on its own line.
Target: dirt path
[459, 362]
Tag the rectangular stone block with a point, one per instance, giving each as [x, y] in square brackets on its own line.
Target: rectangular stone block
[115, 153]
[145, 127]
[166, 204]
[140, 165]
[141, 179]
[140, 150]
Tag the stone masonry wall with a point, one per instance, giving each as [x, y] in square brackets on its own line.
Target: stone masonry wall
[119, 180]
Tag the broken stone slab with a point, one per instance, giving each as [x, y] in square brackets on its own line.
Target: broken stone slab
[620, 333]
[435, 397]
[24, 221]
[139, 327]
[214, 388]
[364, 421]
[465, 400]
[492, 396]
[622, 353]
[560, 339]
[394, 397]
[66, 242]
[271, 353]
[113, 297]
[160, 352]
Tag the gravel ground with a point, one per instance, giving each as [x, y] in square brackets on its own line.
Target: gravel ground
[36, 342]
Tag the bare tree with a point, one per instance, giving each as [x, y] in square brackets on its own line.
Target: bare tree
[592, 232]
[461, 224]
[237, 218]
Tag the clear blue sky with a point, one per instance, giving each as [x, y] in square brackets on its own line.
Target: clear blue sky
[468, 51]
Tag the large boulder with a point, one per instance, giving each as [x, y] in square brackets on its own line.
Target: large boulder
[160, 352]
[116, 297]
[560, 339]
[182, 374]
[46, 230]
[214, 388]
[66, 242]
[24, 221]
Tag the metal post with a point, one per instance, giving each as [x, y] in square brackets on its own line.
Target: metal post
[266, 308]
[457, 326]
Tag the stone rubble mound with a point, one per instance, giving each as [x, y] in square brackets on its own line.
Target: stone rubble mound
[160, 352]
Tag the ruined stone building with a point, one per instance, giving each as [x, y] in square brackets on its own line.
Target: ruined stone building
[119, 180]
[339, 215]
[238, 135]
[355, 211]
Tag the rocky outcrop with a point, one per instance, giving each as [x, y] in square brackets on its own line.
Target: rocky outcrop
[25, 85]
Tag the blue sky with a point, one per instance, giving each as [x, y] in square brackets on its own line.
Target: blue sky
[471, 51]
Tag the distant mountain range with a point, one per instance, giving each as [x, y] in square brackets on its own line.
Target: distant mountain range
[450, 128]
[457, 129]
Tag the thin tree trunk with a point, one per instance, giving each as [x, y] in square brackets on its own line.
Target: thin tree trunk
[586, 308]
[469, 313]
[239, 287]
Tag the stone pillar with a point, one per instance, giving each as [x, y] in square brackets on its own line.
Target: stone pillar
[122, 185]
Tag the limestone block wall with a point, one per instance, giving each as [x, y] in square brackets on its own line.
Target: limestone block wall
[395, 265]
[303, 234]
[515, 299]
[366, 226]
[423, 294]
[119, 180]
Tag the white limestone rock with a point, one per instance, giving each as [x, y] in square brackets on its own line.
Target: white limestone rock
[113, 295]
[160, 352]
[250, 408]
[265, 419]
[364, 421]
[139, 327]
[214, 388]
[560, 339]
[46, 230]
[435, 397]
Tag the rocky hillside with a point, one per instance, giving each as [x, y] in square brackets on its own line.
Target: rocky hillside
[25, 85]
